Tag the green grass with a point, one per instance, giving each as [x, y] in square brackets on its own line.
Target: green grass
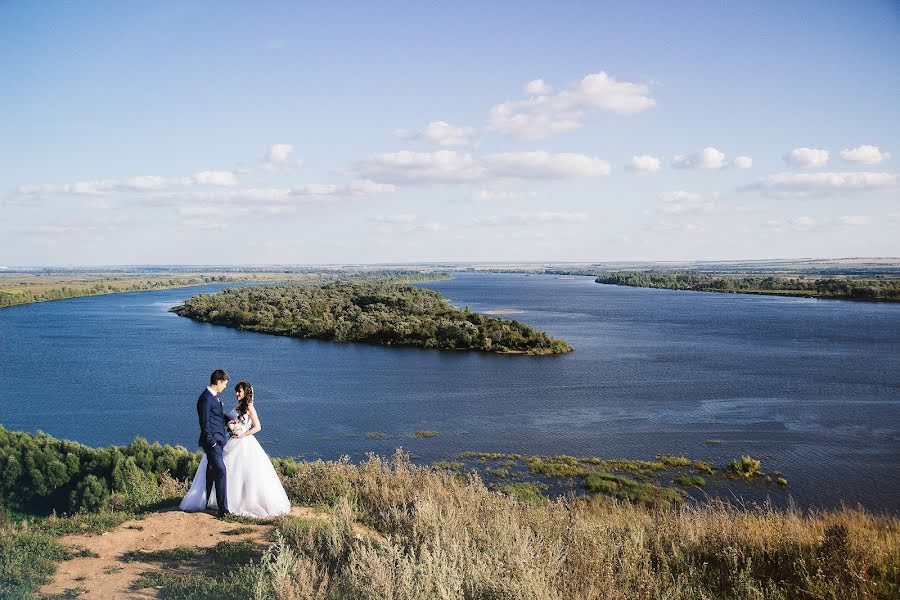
[674, 461]
[426, 433]
[530, 493]
[27, 559]
[240, 531]
[377, 435]
[624, 488]
[690, 481]
[172, 556]
[449, 465]
[86, 523]
[746, 468]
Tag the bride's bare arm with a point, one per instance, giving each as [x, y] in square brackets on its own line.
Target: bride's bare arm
[254, 418]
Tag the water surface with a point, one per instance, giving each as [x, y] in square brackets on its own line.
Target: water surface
[811, 386]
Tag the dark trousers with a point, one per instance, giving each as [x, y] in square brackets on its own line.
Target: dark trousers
[215, 474]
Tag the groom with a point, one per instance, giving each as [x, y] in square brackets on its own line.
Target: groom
[213, 437]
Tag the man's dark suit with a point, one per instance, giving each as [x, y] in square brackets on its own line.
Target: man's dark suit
[213, 437]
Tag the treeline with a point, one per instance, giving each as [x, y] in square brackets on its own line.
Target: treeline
[39, 473]
[8, 298]
[854, 289]
[369, 312]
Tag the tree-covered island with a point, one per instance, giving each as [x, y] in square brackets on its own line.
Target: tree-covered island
[370, 312]
[876, 288]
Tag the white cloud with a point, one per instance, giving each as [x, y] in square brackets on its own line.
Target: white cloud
[643, 163]
[743, 162]
[545, 115]
[802, 185]
[537, 87]
[708, 158]
[806, 157]
[221, 178]
[543, 165]
[865, 154]
[280, 157]
[440, 133]
[443, 166]
[449, 166]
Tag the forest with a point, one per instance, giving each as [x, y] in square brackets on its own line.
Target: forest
[878, 288]
[373, 312]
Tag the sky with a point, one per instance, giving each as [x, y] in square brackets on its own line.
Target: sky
[198, 132]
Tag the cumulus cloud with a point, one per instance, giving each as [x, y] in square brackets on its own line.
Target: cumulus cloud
[537, 87]
[546, 114]
[806, 157]
[866, 154]
[802, 185]
[643, 163]
[222, 178]
[743, 162]
[280, 156]
[544, 165]
[708, 158]
[440, 133]
[443, 166]
[449, 166]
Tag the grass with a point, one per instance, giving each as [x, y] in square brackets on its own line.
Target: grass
[445, 538]
[529, 493]
[690, 481]
[226, 570]
[426, 433]
[625, 488]
[449, 465]
[240, 531]
[377, 435]
[746, 468]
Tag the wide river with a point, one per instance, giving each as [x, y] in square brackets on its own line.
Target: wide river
[810, 386]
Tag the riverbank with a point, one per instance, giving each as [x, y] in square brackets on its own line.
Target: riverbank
[388, 528]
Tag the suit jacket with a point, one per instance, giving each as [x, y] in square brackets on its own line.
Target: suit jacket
[212, 421]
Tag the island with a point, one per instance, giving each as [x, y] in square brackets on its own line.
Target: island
[374, 312]
[885, 289]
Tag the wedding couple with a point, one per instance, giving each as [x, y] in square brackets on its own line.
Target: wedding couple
[233, 462]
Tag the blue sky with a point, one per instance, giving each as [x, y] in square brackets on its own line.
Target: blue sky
[216, 132]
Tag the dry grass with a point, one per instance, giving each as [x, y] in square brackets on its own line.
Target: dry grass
[447, 538]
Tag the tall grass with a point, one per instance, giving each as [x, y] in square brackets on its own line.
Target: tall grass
[443, 538]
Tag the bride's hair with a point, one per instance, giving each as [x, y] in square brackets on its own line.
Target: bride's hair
[244, 404]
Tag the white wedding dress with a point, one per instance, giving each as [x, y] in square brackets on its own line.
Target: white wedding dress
[254, 489]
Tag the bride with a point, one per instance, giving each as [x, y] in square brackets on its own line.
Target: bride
[253, 487]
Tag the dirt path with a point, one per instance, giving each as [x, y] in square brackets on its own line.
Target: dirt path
[108, 576]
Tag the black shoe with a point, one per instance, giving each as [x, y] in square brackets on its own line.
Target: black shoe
[222, 515]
